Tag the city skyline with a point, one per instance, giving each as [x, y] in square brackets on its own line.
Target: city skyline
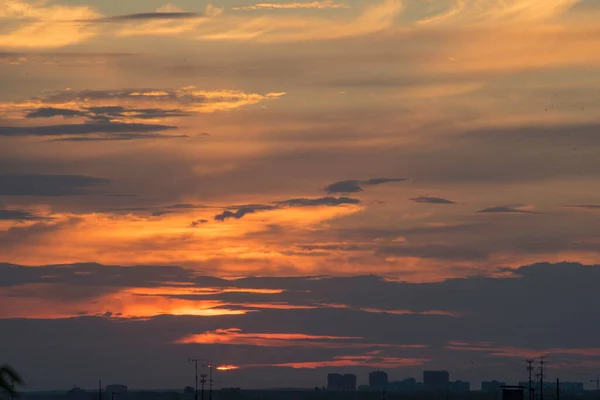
[255, 329]
[290, 188]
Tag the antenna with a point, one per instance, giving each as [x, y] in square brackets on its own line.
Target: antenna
[542, 362]
[195, 362]
[529, 371]
[202, 381]
[210, 380]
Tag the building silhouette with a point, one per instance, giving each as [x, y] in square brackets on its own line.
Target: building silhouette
[569, 388]
[459, 386]
[492, 386]
[342, 383]
[436, 380]
[378, 379]
[513, 392]
[406, 385]
[349, 382]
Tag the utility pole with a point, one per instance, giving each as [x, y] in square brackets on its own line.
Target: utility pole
[557, 389]
[530, 371]
[202, 381]
[195, 362]
[100, 389]
[210, 380]
[597, 381]
[542, 362]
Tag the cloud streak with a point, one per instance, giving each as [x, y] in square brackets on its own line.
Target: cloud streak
[300, 202]
[331, 4]
[48, 185]
[432, 200]
[354, 186]
[512, 209]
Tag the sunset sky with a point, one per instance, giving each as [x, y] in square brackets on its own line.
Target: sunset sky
[297, 188]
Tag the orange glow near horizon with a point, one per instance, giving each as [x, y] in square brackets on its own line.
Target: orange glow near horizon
[227, 367]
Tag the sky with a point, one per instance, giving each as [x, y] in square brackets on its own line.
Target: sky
[292, 188]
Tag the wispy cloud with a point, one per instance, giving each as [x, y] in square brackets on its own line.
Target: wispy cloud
[375, 18]
[475, 12]
[242, 211]
[48, 185]
[295, 5]
[432, 200]
[146, 17]
[367, 360]
[33, 25]
[353, 186]
[235, 336]
[511, 209]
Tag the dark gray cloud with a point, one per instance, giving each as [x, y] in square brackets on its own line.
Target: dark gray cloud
[48, 185]
[432, 200]
[92, 274]
[241, 211]
[150, 16]
[437, 251]
[353, 186]
[323, 201]
[199, 222]
[113, 112]
[512, 209]
[118, 137]
[48, 112]
[82, 129]
[186, 206]
[18, 215]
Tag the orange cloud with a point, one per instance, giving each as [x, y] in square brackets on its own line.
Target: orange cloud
[287, 6]
[237, 337]
[374, 19]
[29, 24]
[395, 312]
[36, 302]
[206, 291]
[234, 336]
[367, 360]
[227, 367]
[168, 27]
[471, 12]
[509, 351]
[189, 99]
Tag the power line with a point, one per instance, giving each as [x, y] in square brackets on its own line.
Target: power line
[202, 381]
[542, 362]
[210, 380]
[529, 372]
[195, 362]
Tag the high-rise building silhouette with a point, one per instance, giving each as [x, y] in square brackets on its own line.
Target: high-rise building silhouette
[335, 381]
[378, 379]
[349, 382]
[436, 380]
[339, 382]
